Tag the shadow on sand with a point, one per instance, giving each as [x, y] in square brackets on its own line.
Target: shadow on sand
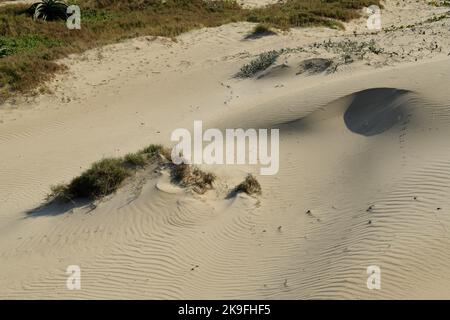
[259, 35]
[54, 208]
[374, 111]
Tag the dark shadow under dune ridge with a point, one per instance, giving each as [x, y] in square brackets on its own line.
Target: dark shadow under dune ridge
[367, 112]
[259, 35]
[374, 111]
[57, 208]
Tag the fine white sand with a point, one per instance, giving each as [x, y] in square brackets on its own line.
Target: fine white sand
[364, 168]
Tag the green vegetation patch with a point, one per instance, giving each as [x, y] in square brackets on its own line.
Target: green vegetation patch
[29, 47]
[25, 43]
[261, 63]
[106, 176]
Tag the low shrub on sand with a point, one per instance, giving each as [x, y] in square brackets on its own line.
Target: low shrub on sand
[440, 3]
[261, 30]
[147, 155]
[261, 63]
[157, 150]
[190, 176]
[105, 177]
[315, 65]
[250, 186]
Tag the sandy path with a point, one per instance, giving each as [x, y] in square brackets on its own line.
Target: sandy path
[256, 3]
[151, 244]
[9, 2]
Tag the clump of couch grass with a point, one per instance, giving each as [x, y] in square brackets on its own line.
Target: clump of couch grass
[261, 30]
[261, 63]
[103, 178]
[187, 175]
[106, 176]
[250, 186]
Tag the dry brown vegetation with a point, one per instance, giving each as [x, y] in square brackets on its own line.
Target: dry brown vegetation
[28, 48]
[250, 186]
[190, 176]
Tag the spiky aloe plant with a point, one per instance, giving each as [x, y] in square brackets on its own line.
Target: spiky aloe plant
[49, 10]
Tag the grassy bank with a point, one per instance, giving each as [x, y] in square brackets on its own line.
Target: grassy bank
[28, 48]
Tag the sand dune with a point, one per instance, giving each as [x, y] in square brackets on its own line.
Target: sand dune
[363, 176]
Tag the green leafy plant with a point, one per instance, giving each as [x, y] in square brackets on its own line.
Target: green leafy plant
[261, 63]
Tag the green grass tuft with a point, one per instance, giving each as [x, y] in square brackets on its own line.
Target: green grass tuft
[103, 178]
[136, 159]
[261, 29]
[106, 176]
